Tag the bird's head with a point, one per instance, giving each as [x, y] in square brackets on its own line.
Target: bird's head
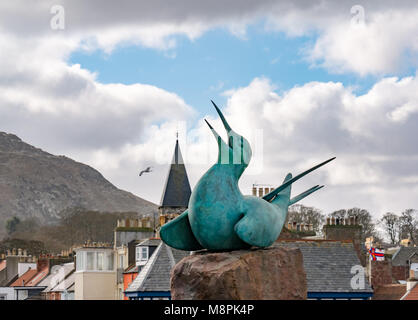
[237, 152]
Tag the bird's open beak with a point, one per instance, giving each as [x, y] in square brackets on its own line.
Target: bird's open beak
[226, 125]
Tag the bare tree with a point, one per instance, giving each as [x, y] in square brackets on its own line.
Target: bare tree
[364, 218]
[390, 223]
[409, 225]
[307, 215]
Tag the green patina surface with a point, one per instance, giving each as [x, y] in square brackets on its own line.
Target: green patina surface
[219, 216]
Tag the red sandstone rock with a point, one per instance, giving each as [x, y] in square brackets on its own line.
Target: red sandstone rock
[271, 273]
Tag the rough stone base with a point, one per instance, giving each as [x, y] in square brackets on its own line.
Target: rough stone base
[272, 273]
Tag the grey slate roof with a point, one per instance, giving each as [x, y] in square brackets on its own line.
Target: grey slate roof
[150, 242]
[155, 275]
[328, 265]
[177, 189]
[401, 257]
[60, 277]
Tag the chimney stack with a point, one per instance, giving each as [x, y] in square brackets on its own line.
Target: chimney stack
[412, 280]
[266, 190]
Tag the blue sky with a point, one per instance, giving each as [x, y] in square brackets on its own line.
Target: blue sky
[369, 122]
[203, 68]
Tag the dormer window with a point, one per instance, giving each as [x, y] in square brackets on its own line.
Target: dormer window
[141, 253]
[144, 253]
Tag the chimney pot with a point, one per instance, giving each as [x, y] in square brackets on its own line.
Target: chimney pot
[332, 221]
[254, 191]
[260, 192]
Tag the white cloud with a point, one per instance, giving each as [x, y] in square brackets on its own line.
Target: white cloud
[121, 128]
[385, 43]
[311, 123]
[301, 127]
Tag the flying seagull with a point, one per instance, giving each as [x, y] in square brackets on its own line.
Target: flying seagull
[148, 169]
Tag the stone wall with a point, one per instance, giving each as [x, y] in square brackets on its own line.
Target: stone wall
[271, 273]
[400, 272]
[381, 273]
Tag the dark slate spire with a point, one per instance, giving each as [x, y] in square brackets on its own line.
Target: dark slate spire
[177, 188]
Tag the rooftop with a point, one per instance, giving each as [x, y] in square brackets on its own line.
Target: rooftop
[2, 265]
[57, 276]
[30, 278]
[155, 275]
[413, 294]
[150, 242]
[328, 264]
[401, 257]
[177, 189]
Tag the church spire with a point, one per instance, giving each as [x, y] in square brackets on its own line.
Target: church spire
[177, 189]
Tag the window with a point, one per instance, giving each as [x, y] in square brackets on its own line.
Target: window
[137, 253]
[90, 261]
[144, 253]
[109, 261]
[141, 253]
[121, 261]
[80, 260]
[94, 260]
[100, 260]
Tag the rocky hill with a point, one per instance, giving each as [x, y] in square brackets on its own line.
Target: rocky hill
[36, 184]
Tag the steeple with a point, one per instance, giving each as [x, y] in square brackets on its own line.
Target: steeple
[177, 187]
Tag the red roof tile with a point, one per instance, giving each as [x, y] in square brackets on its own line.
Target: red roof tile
[24, 278]
[2, 264]
[30, 278]
[413, 294]
[38, 277]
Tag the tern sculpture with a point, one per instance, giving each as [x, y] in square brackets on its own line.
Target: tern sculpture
[219, 217]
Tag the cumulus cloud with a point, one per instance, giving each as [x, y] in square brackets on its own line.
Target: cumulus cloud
[379, 37]
[300, 128]
[375, 153]
[120, 128]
